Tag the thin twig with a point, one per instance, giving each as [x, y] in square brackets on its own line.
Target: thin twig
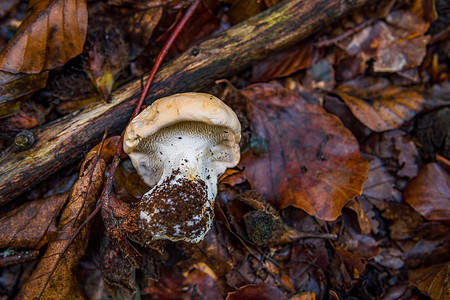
[108, 186]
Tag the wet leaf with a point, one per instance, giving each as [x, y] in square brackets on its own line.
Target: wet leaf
[13, 86]
[313, 162]
[256, 292]
[300, 56]
[28, 226]
[433, 281]
[378, 105]
[429, 193]
[54, 276]
[52, 33]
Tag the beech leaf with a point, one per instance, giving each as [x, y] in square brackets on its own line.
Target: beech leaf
[313, 162]
[429, 193]
[378, 105]
[433, 281]
[52, 33]
[26, 226]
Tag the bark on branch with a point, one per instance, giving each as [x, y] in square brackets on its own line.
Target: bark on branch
[66, 140]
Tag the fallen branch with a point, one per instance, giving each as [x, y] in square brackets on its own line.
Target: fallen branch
[66, 140]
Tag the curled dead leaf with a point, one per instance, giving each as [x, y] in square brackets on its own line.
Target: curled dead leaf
[54, 276]
[429, 193]
[52, 33]
[312, 162]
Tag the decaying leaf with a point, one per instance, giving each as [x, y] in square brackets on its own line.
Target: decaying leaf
[429, 193]
[433, 281]
[52, 33]
[378, 105]
[253, 292]
[28, 226]
[54, 276]
[312, 162]
[13, 86]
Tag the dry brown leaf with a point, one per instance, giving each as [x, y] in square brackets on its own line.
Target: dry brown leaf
[52, 33]
[54, 275]
[429, 193]
[378, 105]
[312, 162]
[28, 225]
[13, 86]
[433, 281]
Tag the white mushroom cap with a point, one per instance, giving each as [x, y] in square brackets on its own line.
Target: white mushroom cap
[180, 145]
[173, 109]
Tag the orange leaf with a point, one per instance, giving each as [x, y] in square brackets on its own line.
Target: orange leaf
[312, 162]
[52, 33]
[429, 193]
[378, 105]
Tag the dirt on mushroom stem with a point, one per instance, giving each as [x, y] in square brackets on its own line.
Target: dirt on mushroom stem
[182, 209]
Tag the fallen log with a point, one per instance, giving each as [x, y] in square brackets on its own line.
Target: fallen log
[66, 140]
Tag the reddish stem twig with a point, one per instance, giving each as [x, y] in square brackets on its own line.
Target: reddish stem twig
[108, 186]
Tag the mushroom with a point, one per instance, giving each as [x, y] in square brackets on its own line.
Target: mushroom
[180, 145]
